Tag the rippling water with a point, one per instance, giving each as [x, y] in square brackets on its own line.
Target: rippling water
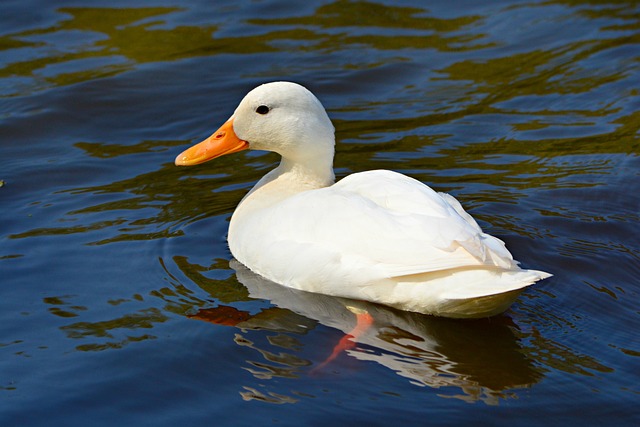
[120, 302]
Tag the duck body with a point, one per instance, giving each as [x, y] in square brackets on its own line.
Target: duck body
[377, 236]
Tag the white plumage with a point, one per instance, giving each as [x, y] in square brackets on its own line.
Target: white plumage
[378, 236]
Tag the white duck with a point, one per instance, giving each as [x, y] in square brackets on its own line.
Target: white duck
[378, 236]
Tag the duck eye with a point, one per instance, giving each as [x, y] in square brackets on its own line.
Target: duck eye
[263, 109]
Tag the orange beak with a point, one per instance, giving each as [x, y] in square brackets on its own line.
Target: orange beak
[223, 141]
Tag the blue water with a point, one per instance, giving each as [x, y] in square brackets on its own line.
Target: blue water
[120, 303]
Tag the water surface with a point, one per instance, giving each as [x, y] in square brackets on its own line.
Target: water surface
[120, 303]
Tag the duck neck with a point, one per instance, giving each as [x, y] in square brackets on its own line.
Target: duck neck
[306, 174]
[288, 179]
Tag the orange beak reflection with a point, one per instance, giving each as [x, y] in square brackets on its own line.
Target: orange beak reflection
[223, 141]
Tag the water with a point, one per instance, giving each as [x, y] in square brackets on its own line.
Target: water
[118, 301]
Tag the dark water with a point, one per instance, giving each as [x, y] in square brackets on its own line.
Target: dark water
[118, 302]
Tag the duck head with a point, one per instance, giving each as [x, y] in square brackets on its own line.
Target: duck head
[282, 117]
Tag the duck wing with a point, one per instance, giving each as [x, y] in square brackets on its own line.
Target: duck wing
[372, 225]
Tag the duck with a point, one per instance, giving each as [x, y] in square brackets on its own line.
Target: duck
[378, 236]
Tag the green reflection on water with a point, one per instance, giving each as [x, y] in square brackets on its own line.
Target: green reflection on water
[105, 151]
[124, 32]
[227, 290]
[172, 195]
[345, 14]
[107, 334]
[538, 72]
[120, 38]
[110, 22]
[136, 313]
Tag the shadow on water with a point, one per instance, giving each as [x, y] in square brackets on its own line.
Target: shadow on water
[483, 360]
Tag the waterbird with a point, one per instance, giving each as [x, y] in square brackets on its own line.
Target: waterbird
[378, 236]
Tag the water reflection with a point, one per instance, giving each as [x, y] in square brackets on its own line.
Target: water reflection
[113, 333]
[475, 361]
[485, 360]
[437, 33]
[93, 43]
[105, 41]
[481, 360]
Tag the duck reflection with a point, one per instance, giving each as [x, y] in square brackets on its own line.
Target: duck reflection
[478, 360]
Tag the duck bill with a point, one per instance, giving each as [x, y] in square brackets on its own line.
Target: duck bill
[223, 141]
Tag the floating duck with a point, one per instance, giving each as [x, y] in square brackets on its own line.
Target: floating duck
[377, 236]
